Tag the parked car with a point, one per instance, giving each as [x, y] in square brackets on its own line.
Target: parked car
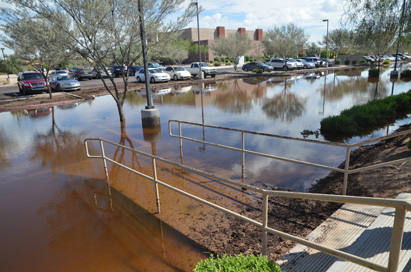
[257, 65]
[306, 65]
[132, 70]
[80, 74]
[31, 81]
[330, 62]
[316, 61]
[155, 65]
[195, 67]
[118, 70]
[178, 72]
[278, 63]
[64, 83]
[298, 64]
[58, 73]
[101, 73]
[155, 75]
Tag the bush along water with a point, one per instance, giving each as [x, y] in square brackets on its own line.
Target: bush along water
[362, 119]
[406, 74]
[237, 263]
[374, 72]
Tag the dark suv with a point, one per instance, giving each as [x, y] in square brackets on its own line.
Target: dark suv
[31, 81]
[118, 70]
[81, 74]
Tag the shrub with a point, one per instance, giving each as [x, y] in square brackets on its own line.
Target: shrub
[347, 62]
[228, 63]
[386, 62]
[354, 62]
[246, 58]
[374, 72]
[338, 61]
[406, 73]
[258, 71]
[217, 63]
[237, 263]
[359, 119]
[362, 61]
[217, 59]
[251, 59]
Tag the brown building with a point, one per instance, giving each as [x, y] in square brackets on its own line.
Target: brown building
[209, 35]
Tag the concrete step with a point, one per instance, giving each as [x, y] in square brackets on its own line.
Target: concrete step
[361, 230]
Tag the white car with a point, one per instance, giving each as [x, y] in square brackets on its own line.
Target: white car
[177, 73]
[277, 63]
[155, 75]
[297, 63]
[306, 65]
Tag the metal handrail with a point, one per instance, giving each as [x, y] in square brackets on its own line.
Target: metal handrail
[401, 206]
[346, 171]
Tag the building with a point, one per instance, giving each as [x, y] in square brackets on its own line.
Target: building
[209, 35]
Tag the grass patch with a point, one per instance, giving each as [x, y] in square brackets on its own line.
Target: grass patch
[236, 263]
[359, 120]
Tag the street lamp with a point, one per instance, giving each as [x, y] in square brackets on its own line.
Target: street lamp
[200, 75]
[326, 46]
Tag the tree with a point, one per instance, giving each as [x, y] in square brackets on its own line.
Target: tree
[339, 40]
[378, 23]
[11, 65]
[177, 51]
[233, 46]
[285, 41]
[33, 39]
[313, 49]
[102, 31]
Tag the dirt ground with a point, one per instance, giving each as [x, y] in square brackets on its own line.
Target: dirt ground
[299, 217]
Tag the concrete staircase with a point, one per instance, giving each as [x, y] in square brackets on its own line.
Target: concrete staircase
[361, 230]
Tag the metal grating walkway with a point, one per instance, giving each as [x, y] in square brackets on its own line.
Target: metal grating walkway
[357, 229]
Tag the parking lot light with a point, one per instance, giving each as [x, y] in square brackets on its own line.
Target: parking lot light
[326, 46]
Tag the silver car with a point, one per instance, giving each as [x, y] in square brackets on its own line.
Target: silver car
[306, 65]
[64, 83]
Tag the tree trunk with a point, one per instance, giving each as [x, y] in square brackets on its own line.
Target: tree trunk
[121, 113]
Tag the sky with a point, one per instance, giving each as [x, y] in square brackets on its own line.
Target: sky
[267, 14]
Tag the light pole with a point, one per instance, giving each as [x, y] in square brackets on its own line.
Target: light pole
[326, 46]
[200, 75]
[8, 77]
[394, 73]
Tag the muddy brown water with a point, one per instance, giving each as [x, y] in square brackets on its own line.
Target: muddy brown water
[59, 213]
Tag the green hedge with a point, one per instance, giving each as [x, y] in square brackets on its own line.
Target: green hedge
[374, 72]
[406, 73]
[338, 61]
[347, 62]
[236, 263]
[359, 120]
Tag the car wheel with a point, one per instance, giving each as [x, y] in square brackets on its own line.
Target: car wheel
[152, 80]
[58, 89]
[138, 79]
[285, 68]
[305, 67]
[245, 69]
[175, 77]
[213, 75]
[20, 90]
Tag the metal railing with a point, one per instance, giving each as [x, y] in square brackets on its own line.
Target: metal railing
[346, 171]
[401, 206]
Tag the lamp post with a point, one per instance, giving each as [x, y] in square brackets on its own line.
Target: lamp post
[200, 74]
[326, 46]
[394, 73]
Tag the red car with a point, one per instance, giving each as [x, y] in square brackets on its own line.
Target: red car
[31, 81]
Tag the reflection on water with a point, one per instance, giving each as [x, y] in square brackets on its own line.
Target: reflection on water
[59, 211]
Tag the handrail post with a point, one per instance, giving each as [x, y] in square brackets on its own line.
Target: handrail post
[243, 155]
[103, 155]
[346, 168]
[181, 142]
[396, 239]
[265, 220]
[156, 184]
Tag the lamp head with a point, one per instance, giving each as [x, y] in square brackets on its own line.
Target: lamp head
[325, 20]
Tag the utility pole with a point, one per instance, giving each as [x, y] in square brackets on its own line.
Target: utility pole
[326, 46]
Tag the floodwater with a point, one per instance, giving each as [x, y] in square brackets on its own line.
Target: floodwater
[58, 212]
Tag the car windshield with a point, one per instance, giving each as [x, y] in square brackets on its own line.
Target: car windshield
[179, 69]
[32, 76]
[292, 60]
[155, 64]
[154, 71]
[64, 78]
[203, 64]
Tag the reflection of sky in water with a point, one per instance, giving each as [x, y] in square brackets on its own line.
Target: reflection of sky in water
[279, 107]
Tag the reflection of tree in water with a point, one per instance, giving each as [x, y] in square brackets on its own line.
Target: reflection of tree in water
[5, 143]
[235, 100]
[285, 106]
